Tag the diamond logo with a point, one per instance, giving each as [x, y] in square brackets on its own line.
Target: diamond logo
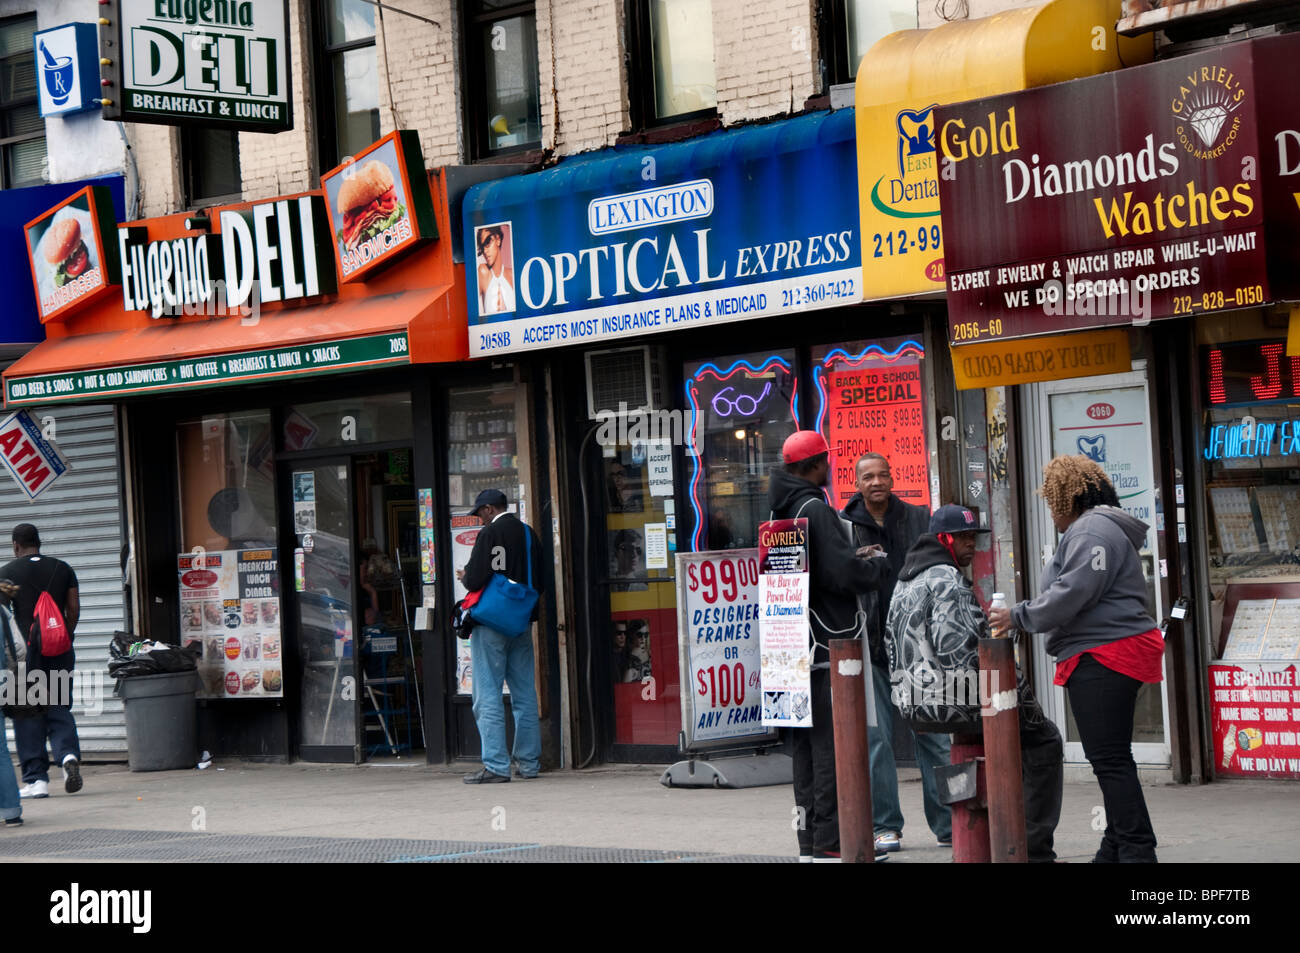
[1208, 122]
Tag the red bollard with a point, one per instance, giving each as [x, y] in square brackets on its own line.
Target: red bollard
[1000, 713]
[970, 818]
[852, 774]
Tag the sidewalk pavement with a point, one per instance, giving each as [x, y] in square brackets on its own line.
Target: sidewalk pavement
[405, 810]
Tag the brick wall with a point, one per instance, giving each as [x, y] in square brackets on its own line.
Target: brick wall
[285, 162]
[157, 159]
[580, 64]
[424, 81]
[765, 58]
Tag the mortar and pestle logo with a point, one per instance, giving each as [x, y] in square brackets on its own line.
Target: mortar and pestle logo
[57, 71]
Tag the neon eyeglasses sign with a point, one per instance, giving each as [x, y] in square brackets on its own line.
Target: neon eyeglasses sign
[743, 399]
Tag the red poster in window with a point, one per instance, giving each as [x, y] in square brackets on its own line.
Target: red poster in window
[872, 403]
[1255, 719]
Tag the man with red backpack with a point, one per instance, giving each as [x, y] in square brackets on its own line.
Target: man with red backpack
[46, 608]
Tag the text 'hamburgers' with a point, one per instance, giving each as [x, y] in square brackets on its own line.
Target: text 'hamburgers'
[66, 251]
[368, 204]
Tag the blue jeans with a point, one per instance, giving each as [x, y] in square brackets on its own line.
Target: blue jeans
[932, 750]
[57, 724]
[10, 805]
[497, 658]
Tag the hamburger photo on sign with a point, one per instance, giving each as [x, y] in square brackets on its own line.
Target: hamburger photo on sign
[369, 209]
[65, 257]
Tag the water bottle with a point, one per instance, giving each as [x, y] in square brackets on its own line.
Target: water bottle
[999, 602]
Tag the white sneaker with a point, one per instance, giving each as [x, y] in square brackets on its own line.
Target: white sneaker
[71, 774]
[35, 789]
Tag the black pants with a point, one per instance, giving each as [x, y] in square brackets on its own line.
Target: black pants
[818, 823]
[1104, 702]
[1042, 776]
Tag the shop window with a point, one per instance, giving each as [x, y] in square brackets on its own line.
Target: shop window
[348, 421]
[741, 410]
[851, 27]
[22, 131]
[501, 78]
[482, 454]
[870, 399]
[210, 164]
[673, 77]
[228, 568]
[348, 79]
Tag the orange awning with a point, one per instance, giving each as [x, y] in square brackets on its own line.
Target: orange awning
[353, 333]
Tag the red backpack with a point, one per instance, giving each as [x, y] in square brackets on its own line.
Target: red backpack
[49, 631]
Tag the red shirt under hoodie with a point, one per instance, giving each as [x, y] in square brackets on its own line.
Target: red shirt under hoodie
[1137, 656]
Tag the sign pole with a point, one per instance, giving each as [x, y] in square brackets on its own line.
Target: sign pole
[1001, 717]
[852, 769]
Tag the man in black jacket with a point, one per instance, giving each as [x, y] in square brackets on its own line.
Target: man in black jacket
[879, 518]
[836, 576]
[496, 658]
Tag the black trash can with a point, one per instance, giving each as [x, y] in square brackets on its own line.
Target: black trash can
[161, 720]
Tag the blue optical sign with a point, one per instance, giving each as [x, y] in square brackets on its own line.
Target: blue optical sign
[67, 68]
[740, 224]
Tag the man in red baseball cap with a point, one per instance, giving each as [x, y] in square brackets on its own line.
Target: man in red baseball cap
[837, 574]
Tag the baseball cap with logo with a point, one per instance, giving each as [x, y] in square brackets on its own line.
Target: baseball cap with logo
[951, 518]
[803, 444]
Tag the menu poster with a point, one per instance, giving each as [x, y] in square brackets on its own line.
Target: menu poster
[1233, 521]
[1254, 711]
[230, 605]
[464, 531]
[784, 663]
[876, 408]
[428, 567]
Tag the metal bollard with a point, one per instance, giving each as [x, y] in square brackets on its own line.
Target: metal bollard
[1001, 718]
[852, 773]
[970, 816]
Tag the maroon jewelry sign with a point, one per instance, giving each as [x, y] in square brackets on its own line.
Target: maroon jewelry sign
[1147, 193]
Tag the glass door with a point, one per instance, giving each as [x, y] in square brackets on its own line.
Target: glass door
[1105, 418]
[326, 610]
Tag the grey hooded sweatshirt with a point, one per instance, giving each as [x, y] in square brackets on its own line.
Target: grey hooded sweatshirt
[1093, 588]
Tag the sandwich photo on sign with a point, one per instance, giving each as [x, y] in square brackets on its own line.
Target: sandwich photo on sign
[379, 205]
[66, 255]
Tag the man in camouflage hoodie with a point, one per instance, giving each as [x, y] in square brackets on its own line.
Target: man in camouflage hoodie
[932, 636]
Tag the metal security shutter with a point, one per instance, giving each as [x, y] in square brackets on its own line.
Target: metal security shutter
[80, 521]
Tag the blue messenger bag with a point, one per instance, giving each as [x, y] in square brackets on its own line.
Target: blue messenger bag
[505, 605]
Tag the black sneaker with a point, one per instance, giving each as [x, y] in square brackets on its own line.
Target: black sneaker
[523, 777]
[486, 777]
[13, 822]
[71, 774]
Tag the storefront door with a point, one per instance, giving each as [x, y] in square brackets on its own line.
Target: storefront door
[1107, 419]
[326, 616]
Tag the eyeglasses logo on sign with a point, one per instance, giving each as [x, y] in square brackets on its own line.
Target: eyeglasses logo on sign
[1205, 102]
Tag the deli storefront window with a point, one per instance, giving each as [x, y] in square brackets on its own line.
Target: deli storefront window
[870, 399]
[228, 570]
[1250, 453]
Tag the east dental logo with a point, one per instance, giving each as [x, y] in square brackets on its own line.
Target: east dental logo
[171, 277]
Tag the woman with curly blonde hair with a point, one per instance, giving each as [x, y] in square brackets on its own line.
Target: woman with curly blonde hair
[1094, 611]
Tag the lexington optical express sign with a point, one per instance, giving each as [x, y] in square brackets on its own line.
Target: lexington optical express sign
[737, 225]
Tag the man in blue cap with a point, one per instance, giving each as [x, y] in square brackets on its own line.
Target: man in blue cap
[932, 635]
[495, 658]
